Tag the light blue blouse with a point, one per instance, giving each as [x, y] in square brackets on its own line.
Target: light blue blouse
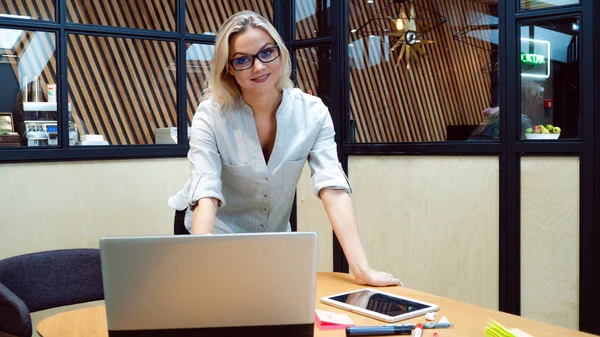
[227, 163]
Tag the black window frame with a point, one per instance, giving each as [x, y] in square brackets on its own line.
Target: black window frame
[61, 27]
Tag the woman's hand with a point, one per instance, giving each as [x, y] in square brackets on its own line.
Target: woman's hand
[376, 278]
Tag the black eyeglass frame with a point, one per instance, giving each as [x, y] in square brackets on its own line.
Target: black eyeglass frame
[254, 57]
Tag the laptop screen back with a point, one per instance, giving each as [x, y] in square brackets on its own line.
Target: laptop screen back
[213, 281]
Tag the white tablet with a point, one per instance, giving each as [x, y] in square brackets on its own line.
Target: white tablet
[380, 305]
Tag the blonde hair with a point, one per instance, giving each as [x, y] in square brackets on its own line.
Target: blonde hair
[221, 86]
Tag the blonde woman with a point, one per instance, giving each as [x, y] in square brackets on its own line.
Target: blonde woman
[250, 138]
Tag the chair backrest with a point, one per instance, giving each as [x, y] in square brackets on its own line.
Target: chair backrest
[54, 278]
[179, 223]
[15, 318]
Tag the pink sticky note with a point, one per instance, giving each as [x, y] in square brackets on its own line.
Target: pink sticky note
[326, 320]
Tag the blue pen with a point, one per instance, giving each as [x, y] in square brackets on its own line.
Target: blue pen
[425, 325]
[378, 330]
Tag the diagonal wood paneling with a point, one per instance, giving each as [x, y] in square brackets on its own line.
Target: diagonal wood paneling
[307, 15]
[394, 104]
[125, 94]
[307, 71]
[145, 14]
[207, 16]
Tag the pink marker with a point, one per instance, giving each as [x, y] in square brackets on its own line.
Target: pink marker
[418, 330]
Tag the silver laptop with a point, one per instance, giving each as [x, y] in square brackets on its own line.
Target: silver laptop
[232, 284]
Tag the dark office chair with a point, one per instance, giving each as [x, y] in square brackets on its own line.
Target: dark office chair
[179, 224]
[50, 279]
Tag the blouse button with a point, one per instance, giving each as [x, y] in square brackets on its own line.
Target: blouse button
[266, 178]
[264, 209]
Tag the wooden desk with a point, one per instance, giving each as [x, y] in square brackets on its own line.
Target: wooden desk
[468, 320]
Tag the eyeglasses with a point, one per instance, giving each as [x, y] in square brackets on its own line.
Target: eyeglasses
[246, 62]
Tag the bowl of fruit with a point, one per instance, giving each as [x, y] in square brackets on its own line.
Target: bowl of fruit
[542, 132]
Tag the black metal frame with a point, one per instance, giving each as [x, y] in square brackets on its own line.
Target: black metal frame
[62, 28]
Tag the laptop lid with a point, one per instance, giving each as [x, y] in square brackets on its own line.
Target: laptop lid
[230, 284]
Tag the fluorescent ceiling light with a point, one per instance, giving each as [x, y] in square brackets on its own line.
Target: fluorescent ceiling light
[557, 2]
[200, 52]
[12, 16]
[546, 45]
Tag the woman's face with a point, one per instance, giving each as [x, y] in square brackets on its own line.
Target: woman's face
[260, 77]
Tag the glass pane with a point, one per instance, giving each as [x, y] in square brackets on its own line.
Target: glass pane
[123, 91]
[313, 18]
[538, 4]
[199, 59]
[423, 73]
[549, 53]
[313, 71]
[206, 17]
[31, 9]
[28, 115]
[156, 14]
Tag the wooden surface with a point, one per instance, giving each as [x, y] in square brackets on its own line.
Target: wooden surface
[469, 320]
[550, 239]
[432, 221]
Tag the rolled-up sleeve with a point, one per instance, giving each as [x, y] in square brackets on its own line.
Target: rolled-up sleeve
[205, 176]
[326, 170]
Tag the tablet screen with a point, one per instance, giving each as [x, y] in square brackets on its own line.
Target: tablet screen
[380, 303]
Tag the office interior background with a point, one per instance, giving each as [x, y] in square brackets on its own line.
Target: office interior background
[436, 103]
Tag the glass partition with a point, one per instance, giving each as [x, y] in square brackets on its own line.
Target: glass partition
[423, 73]
[28, 108]
[549, 52]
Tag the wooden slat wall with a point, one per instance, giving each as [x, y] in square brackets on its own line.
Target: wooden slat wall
[306, 19]
[123, 89]
[307, 72]
[391, 104]
[207, 16]
[126, 88]
[125, 92]
[145, 14]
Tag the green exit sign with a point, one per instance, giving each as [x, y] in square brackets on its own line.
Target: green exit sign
[533, 59]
